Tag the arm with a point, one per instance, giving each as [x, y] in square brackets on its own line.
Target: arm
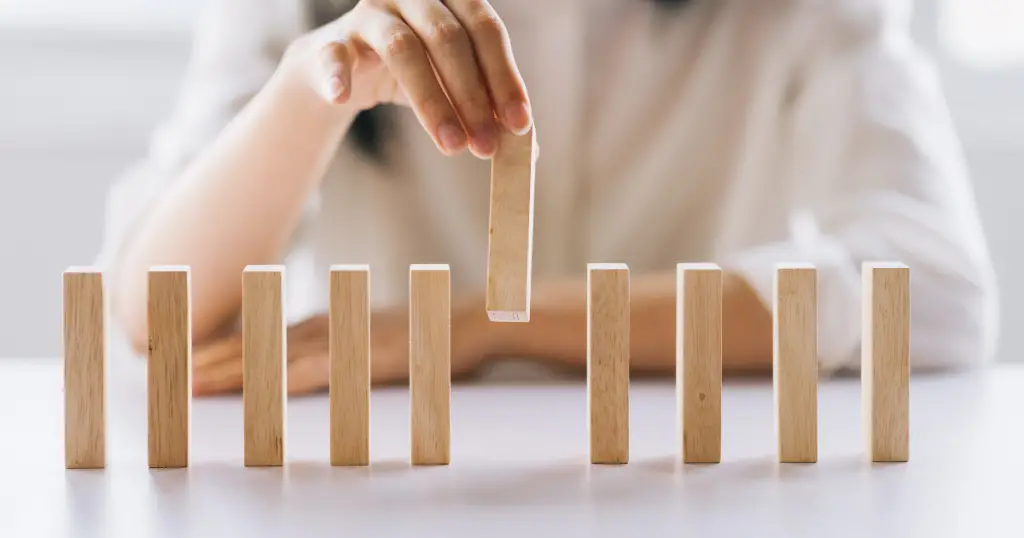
[889, 183]
[240, 199]
[556, 333]
[230, 208]
[558, 326]
[210, 193]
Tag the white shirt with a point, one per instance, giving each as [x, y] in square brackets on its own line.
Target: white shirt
[736, 132]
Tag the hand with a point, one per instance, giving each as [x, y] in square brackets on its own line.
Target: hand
[217, 366]
[450, 61]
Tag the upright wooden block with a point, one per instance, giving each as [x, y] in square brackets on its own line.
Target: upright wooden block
[510, 248]
[264, 365]
[699, 360]
[350, 364]
[430, 363]
[608, 362]
[169, 365]
[795, 363]
[85, 357]
[885, 360]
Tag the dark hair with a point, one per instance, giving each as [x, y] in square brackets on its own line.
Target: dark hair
[369, 129]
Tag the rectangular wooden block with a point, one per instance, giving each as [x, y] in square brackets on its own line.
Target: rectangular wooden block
[85, 358]
[885, 360]
[608, 362]
[510, 239]
[699, 360]
[430, 363]
[264, 365]
[350, 364]
[795, 362]
[169, 365]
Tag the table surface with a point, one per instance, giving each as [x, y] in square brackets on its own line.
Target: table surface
[520, 467]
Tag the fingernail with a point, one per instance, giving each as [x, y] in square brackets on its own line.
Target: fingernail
[485, 140]
[452, 137]
[517, 115]
[333, 88]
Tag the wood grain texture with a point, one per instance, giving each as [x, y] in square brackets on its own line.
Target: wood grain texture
[510, 237]
[169, 365]
[350, 365]
[699, 361]
[795, 363]
[608, 362]
[85, 358]
[264, 374]
[885, 361]
[430, 364]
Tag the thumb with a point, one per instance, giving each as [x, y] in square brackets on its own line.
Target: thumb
[335, 71]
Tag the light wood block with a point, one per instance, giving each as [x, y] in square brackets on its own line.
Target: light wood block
[885, 361]
[510, 243]
[85, 358]
[608, 362]
[169, 365]
[430, 363]
[795, 365]
[699, 360]
[350, 364]
[264, 368]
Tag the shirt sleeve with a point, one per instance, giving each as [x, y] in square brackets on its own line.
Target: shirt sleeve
[236, 47]
[881, 177]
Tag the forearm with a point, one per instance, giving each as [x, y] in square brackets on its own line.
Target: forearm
[558, 325]
[236, 204]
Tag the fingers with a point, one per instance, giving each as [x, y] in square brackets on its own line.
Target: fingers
[451, 52]
[307, 374]
[493, 51]
[336, 61]
[217, 351]
[310, 328]
[218, 378]
[307, 369]
[389, 346]
[400, 49]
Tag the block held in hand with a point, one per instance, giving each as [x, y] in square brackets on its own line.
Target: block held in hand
[510, 239]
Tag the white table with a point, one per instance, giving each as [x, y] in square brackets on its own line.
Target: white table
[519, 468]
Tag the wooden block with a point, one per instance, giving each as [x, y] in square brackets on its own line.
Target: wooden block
[699, 360]
[885, 360]
[510, 242]
[85, 358]
[608, 362]
[264, 365]
[795, 362]
[350, 364]
[169, 365]
[430, 363]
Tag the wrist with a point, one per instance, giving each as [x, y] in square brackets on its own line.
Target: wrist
[472, 332]
[526, 340]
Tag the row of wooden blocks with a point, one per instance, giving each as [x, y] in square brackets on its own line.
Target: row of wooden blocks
[885, 364]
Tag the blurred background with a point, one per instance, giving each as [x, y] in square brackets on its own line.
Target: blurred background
[83, 83]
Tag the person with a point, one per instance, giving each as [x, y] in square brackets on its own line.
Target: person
[312, 133]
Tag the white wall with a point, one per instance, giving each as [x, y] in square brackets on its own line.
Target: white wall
[74, 111]
[77, 106]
